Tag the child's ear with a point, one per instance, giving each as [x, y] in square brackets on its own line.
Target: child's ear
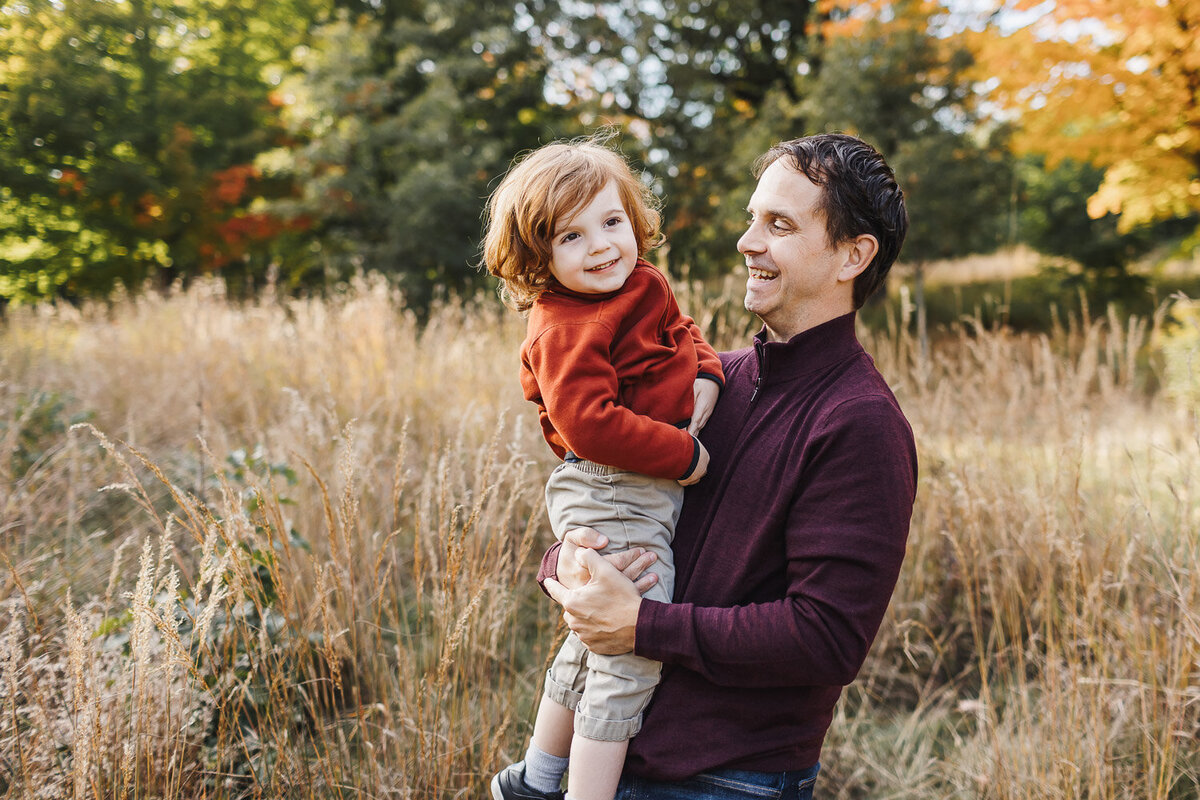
[859, 254]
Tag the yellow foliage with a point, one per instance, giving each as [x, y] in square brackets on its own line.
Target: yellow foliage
[1113, 82]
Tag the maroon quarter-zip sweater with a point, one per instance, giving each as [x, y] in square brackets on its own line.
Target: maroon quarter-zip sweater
[786, 556]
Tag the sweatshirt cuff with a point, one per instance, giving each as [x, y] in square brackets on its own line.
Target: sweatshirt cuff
[647, 643]
[549, 567]
[718, 379]
[695, 459]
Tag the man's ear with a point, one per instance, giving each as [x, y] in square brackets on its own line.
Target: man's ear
[859, 254]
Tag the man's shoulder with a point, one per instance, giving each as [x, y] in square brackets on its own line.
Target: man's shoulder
[861, 376]
[861, 395]
[732, 358]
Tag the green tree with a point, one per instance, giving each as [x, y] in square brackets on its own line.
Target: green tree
[907, 91]
[126, 129]
[404, 116]
[703, 87]
[714, 84]
[1054, 220]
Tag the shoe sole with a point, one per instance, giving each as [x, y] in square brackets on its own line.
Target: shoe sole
[496, 795]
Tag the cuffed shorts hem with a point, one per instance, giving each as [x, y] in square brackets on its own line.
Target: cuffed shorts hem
[607, 730]
[563, 695]
[603, 730]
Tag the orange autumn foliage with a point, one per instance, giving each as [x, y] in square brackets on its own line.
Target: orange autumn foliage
[235, 231]
[228, 186]
[1112, 82]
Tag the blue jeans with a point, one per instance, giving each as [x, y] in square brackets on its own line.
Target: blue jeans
[725, 784]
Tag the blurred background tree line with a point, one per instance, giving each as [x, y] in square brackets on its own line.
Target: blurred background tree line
[298, 142]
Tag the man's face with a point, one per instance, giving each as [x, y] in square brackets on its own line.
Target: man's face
[796, 277]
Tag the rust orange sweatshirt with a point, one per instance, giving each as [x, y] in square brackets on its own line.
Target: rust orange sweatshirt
[612, 374]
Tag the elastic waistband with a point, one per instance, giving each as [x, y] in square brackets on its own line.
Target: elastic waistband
[590, 467]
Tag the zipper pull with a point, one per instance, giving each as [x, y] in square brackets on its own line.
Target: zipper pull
[761, 352]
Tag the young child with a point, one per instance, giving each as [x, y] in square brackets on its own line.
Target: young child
[621, 380]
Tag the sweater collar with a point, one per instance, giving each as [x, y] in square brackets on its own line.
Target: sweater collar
[558, 290]
[554, 287]
[808, 351]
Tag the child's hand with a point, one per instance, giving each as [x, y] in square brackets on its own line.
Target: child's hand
[701, 466]
[705, 393]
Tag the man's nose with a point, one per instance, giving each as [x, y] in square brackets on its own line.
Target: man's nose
[749, 241]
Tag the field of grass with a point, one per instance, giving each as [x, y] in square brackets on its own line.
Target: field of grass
[1021, 289]
[285, 549]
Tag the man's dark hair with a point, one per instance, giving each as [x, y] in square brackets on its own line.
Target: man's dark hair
[859, 195]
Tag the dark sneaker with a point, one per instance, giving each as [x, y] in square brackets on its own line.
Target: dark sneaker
[509, 784]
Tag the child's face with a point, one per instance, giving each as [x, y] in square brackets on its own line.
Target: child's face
[595, 250]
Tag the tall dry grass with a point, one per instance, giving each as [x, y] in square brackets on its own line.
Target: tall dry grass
[285, 549]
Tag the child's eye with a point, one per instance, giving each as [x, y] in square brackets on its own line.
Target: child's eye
[570, 237]
[613, 221]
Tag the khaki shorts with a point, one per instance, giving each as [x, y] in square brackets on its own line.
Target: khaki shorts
[609, 693]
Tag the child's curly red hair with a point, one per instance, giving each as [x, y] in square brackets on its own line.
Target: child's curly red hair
[545, 188]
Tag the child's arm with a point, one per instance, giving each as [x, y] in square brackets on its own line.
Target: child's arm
[701, 465]
[710, 377]
[709, 364]
[705, 392]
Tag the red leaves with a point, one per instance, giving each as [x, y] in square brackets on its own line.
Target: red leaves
[228, 186]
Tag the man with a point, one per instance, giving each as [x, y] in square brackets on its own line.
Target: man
[787, 552]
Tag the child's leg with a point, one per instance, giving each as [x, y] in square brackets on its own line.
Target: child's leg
[546, 758]
[614, 694]
[549, 747]
[595, 768]
[553, 728]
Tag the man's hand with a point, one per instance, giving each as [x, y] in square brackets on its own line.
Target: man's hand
[633, 563]
[704, 399]
[603, 612]
[701, 466]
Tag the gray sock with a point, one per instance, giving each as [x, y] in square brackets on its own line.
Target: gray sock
[543, 771]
